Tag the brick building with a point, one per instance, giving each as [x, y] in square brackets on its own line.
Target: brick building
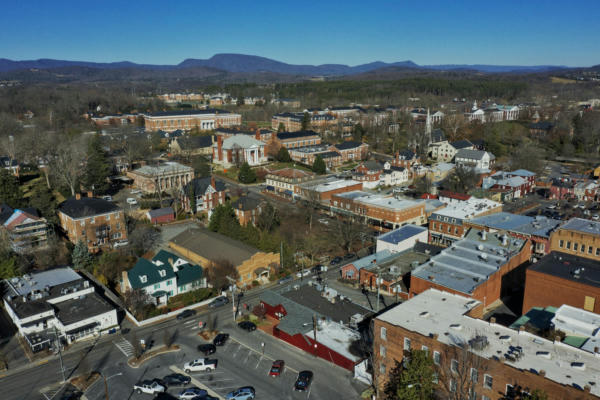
[163, 177]
[448, 224]
[579, 237]
[323, 190]
[207, 119]
[238, 149]
[561, 278]
[25, 229]
[537, 229]
[97, 222]
[285, 181]
[264, 135]
[307, 155]
[383, 213]
[292, 122]
[482, 266]
[351, 150]
[478, 359]
[368, 172]
[247, 209]
[295, 139]
[209, 193]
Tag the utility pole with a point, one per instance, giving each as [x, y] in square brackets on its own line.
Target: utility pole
[378, 281]
[62, 369]
[233, 287]
[105, 387]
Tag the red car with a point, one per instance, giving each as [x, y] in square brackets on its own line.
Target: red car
[277, 368]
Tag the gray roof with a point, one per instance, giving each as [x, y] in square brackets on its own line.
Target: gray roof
[536, 226]
[582, 225]
[472, 154]
[469, 262]
[240, 141]
[298, 319]
[379, 257]
[81, 308]
[167, 167]
[461, 144]
[86, 207]
[246, 203]
[570, 267]
[39, 280]
[160, 212]
[405, 232]
[214, 246]
[201, 184]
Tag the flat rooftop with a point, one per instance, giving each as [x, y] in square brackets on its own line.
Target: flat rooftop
[401, 234]
[341, 311]
[535, 226]
[466, 209]
[442, 313]
[582, 225]
[388, 202]
[81, 308]
[570, 267]
[334, 185]
[39, 281]
[469, 262]
[168, 167]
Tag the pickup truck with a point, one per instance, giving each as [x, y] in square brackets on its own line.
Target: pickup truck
[200, 365]
[149, 387]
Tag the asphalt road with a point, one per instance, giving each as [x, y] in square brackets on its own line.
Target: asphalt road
[241, 363]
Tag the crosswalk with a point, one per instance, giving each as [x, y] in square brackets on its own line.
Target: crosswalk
[125, 346]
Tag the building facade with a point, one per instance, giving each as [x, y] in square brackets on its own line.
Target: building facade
[24, 229]
[163, 177]
[580, 237]
[207, 119]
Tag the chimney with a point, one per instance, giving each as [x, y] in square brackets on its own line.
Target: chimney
[596, 350]
[493, 320]
[90, 194]
[170, 261]
[257, 134]
[434, 336]
[77, 196]
[542, 373]
[587, 388]
[220, 147]
[213, 183]
[556, 339]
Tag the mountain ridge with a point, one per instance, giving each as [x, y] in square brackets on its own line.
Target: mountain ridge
[242, 63]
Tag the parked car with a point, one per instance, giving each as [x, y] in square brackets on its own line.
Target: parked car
[595, 217]
[200, 365]
[186, 314]
[303, 381]
[220, 339]
[243, 393]
[336, 260]
[349, 256]
[177, 380]
[136, 191]
[218, 302]
[304, 272]
[131, 200]
[107, 198]
[277, 368]
[247, 326]
[207, 349]
[286, 279]
[120, 243]
[318, 268]
[192, 393]
[149, 387]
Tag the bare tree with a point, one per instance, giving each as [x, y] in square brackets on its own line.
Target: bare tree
[345, 234]
[136, 300]
[219, 270]
[67, 165]
[460, 371]
[453, 124]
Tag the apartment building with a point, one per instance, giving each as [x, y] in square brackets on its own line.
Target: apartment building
[284, 182]
[24, 229]
[577, 236]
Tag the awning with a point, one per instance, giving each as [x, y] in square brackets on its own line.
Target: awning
[83, 328]
[260, 271]
[288, 192]
[159, 293]
[270, 188]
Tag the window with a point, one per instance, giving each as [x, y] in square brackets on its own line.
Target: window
[425, 349]
[382, 368]
[583, 248]
[454, 366]
[568, 245]
[143, 278]
[92, 220]
[436, 357]
[474, 375]
[382, 351]
[157, 286]
[169, 282]
[488, 381]
[449, 228]
[162, 273]
[575, 246]
[590, 248]
[108, 217]
[435, 379]
[597, 251]
[510, 391]
[561, 243]
[452, 385]
[472, 394]
[383, 333]
[407, 344]
[484, 397]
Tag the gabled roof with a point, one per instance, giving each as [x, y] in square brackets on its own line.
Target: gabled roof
[349, 144]
[372, 165]
[461, 144]
[152, 273]
[5, 212]
[296, 135]
[379, 257]
[19, 217]
[522, 172]
[160, 212]
[86, 207]
[406, 154]
[7, 163]
[246, 203]
[195, 142]
[201, 184]
[473, 154]
[240, 141]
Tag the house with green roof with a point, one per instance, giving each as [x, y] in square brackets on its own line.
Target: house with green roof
[164, 276]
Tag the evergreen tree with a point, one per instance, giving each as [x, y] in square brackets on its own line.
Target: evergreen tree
[413, 379]
[81, 257]
[246, 174]
[283, 155]
[192, 196]
[319, 166]
[10, 190]
[97, 169]
[8, 267]
[305, 121]
[43, 200]
[281, 128]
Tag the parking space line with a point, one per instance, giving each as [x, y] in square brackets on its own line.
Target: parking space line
[197, 382]
[258, 363]
[265, 356]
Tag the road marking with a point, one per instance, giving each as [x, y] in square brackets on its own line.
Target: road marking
[258, 363]
[42, 362]
[265, 356]
[125, 346]
[197, 382]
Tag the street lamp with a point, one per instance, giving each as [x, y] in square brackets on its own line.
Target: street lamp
[396, 290]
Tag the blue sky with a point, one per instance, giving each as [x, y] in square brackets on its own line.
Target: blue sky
[524, 32]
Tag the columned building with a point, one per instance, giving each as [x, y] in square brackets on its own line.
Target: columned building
[170, 175]
[207, 119]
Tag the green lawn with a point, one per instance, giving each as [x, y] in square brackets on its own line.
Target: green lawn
[277, 165]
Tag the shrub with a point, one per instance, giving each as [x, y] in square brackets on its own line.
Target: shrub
[195, 296]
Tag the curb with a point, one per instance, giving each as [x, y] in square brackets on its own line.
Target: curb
[197, 383]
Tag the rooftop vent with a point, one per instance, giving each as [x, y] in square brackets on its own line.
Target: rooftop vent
[544, 354]
[479, 342]
[578, 365]
[483, 256]
[424, 314]
[458, 327]
[480, 247]
[504, 338]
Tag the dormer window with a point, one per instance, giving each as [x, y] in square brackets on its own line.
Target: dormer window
[162, 273]
[144, 278]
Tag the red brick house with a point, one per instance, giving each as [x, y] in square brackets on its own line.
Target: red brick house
[209, 193]
[161, 215]
[351, 150]
[247, 209]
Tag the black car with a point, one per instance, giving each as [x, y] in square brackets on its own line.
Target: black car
[176, 380]
[207, 349]
[349, 256]
[247, 326]
[220, 339]
[186, 314]
[303, 381]
[316, 269]
[336, 260]
[218, 302]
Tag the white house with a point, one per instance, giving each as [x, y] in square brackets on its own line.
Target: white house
[392, 175]
[478, 159]
[56, 304]
[238, 149]
[403, 238]
[164, 276]
[447, 150]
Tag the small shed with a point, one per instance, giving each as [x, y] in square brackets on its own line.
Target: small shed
[161, 215]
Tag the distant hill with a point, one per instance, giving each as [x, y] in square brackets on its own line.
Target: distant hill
[241, 63]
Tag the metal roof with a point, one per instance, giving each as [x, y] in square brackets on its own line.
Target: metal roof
[536, 226]
[405, 232]
[582, 225]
